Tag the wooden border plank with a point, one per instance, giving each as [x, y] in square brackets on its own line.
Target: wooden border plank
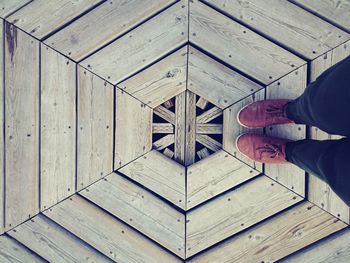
[53, 242]
[111, 19]
[140, 209]
[235, 211]
[22, 126]
[7, 7]
[42, 17]
[290, 86]
[58, 127]
[277, 237]
[142, 46]
[95, 128]
[190, 145]
[180, 127]
[110, 236]
[160, 82]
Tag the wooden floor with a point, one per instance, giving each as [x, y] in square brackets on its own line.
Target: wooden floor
[119, 127]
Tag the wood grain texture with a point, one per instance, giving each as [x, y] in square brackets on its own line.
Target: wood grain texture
[159, 174]
[133, 123]
[190, 147]
[22, 126]
[334, 249]
[208, 142]
[141, 46]
[164, 142]
[13, 251]
[214, 175]
[303, 32]
[180, 128]
[110, 236]
[162, 128]
[95, 128]
[54, 243]
[7, 7]
[161, 81]
[235, 211]
[290, 86]
[141, 210]
[209, 128]
[209, 115]
[336, 11]
[2, 138]
[111, 19]
[215, 82]
[232, 129]
[277, 237]
[165, 114]
[42, 17]
[58, 94]
[238, 45]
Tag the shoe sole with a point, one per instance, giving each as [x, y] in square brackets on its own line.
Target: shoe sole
[239, 122]
[239, 150]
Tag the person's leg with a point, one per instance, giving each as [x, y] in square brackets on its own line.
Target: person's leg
[329, 160]
[325, 102]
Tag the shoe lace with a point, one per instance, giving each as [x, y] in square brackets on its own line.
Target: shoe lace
[272, 149]
[278, 111]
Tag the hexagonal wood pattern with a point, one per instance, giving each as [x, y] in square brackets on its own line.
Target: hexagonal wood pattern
[119, 126]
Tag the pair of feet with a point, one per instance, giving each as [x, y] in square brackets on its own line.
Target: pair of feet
[258, 147]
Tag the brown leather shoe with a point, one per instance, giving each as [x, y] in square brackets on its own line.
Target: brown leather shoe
[264, 113]
[262, 148]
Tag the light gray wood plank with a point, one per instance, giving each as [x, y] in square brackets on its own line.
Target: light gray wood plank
[57, 127]
[209, 115]
[295, 28]
[190, 147]
[110, 236]
[202, 103]
[180, 128]
[169, 153]
[41, 17]
[9, 6]
[208, 128]
[140, 209]
[232, 129]
[336, 11]
[215, 82]
[111, 19]
[235, 211]
[133, 129]
[208, 142]
[203, 153]
[165, 114]
[277, 237]
[164, 142]
[141, 46]
[238, 45]
[167, 179]
[95, 128]
[290, 86]
[214, 175]
[12, 251]
[54, 243]
[160, 82]
[22, 126]
[162, 128]
[2, 122]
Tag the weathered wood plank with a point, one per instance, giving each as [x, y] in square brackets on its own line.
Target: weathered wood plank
[164, 142]
[57, 127]
[2, 139]
[180, 127]
[228, 214]
[190, 146]
[209, 115]
[334, 249]
[140, 209]
[208, 142]
[169, 103]
[12, 251]
[161, 81]
[79, 39]
[54, 243]
[7, 7]
[232, 129]
[208, 128]
[277, 237]
[95, 128]
[165, 114]
[162, 128]
[142, 46]
[336, 11]
[133, 129]
[167, 179]
[214, 175]
[289, 87]
[110, 236]
[238, 45]
[303, 32]
[215, 82]
[42, 17]
[22, 126]
[169, 153]
[203, 153]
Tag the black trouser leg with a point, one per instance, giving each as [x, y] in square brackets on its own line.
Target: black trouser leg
[329, 160]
